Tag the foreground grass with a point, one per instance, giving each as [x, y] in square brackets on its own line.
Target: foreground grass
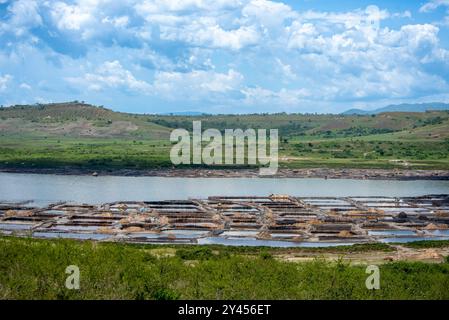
[35, 269]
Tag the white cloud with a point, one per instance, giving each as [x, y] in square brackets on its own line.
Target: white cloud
[23, 15]
[371, 16]
[72, 17]
[230, 25]
[156, 6]
[119, 22]
[286, 70]
[171, 85]
[111, 74]
[93, 20]
[206, 32]
[418, 35]
[303, 35]
[25, 86]
[268, 13]
[405, 14]
[4, 81]
[196, 84]
[282, 98]
[434, 4]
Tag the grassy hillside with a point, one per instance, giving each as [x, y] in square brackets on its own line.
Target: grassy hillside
[328, 126]
[81, 135]
[76, 120]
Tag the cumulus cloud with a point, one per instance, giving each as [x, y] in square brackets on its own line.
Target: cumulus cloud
[196, 84]
[261, 96]
[268, 14]
[23, 15]
[111, 74]
[94, 21]
[72, 17]
[357, 63]
[155, 6]
[207, 33]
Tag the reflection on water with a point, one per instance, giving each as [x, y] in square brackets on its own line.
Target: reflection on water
[45, 189]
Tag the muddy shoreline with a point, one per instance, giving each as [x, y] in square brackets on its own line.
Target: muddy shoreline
[325, 173]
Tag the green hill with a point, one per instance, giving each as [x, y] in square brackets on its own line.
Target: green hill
[74, 119]
[81, 135]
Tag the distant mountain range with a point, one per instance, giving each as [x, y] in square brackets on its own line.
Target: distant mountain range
[405, 107]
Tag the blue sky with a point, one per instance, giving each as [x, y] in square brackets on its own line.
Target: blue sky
[224, 56]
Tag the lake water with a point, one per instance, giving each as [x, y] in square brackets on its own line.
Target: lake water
[44, 188]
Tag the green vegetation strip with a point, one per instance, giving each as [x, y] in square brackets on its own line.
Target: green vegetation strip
[427, 244]
[83, 136]
[35, 269]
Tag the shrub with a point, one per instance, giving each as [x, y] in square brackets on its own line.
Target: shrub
[265, 255]
[196, 253]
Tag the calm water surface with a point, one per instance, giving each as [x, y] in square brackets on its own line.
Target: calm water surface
[87, 189]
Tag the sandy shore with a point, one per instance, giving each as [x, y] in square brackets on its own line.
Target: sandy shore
[379, 174]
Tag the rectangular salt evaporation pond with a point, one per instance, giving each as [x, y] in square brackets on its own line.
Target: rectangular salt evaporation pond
[406, 210]
[146, 235]
[53, 212]
[391, 233]
[184, 234]
[346, 208]
[240, 233]
[180, 209]
[326, 202]
[41, 203]
[268, 243]
[284, 235]
[71, 235]
[385, 204]
[75, 228]
[15, 226]
[438, 233]
[368, 199]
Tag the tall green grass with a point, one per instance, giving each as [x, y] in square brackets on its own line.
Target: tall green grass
[35, 269]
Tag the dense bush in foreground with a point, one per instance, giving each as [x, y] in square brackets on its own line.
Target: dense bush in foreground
[35, 269]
